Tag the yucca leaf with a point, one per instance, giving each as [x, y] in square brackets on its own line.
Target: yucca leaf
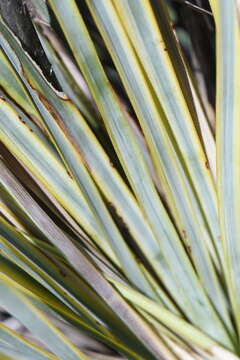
[161, 34]
[133, 165]
[70, 78]
[37, 322]
[118, 207]
[57, 56]
[48, 275]
[25, 347]
[31, 227]
[124, 202]
[90, 274]
[65, 140]
[47, 301]
[48, 170]
[83, 178]
[10, 215]
[147, 40]
[206, 133]
[158, 136]
[228, 130]
[174, 323]
[16, 89]
[53, 275]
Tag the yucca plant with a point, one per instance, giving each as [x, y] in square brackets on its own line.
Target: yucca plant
[119, 210]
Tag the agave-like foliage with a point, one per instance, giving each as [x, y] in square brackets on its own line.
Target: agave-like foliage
[121, 224]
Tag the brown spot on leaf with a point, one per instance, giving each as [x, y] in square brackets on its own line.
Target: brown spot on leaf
[62, 126]
[119, 218]
[69, 174]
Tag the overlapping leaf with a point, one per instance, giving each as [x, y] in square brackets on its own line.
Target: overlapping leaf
[143, 255]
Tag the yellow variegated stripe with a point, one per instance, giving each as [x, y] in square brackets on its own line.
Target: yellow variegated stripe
[121, 318]
[23, 346]
[213, 4]
[172, 321]
[131, 159]
[159, 140]
[29, 149]
[148, 41]
[13, 86]
[58, 279]
[36, 321]
[6, 357]
[94, 157]
[39, 295]
[102, 217]
[12, 218]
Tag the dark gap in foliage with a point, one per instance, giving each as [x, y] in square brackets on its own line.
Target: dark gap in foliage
[200, 30]
[16, 16]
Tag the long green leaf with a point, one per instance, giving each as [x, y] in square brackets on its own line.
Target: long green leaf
[54, 278]
[156, 131]
[153, 54]
[111, 184]
[27, 147]
[22, 308]
[174, 323]
[19, 279]
[228, 130]
[23, 346]
[86, 269]
[134, 166]
[53, 113]
[15, 89]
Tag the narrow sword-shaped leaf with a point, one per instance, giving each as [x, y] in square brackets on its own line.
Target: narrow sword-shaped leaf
[162, 75]
[140, 329]
[41, 297]
[72, 312]
[129, 154]
[97, 161]
[27, 147]
[103, 218]
[22, 308]
[53, 47]
[50, 276]
[77, 159]
[158, 140]
[111, 183]
[228, 145]
[173, 322]
[24, 346]
[81, 211]
[15, 89]
[70, 79]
